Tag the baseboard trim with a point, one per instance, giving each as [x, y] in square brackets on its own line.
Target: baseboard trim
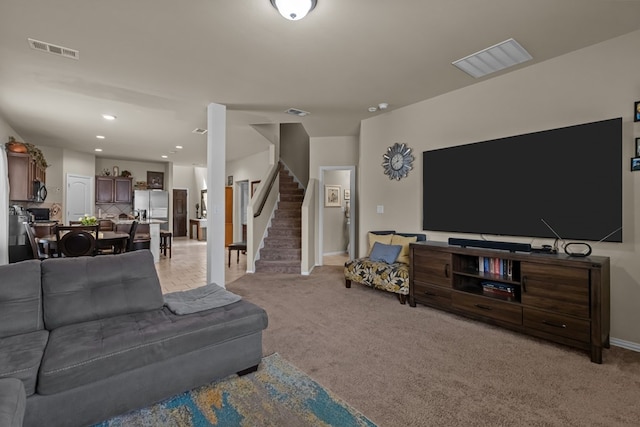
[625, 344]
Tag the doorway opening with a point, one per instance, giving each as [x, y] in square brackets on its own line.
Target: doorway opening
[336, 226]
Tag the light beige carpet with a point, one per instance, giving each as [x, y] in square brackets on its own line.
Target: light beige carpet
[404, 366]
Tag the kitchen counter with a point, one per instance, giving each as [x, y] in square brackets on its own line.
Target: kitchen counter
[154, 232]
[140, 221]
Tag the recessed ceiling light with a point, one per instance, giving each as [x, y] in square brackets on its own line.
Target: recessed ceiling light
[109, 116]
[179, 147]
[100, 136]
[297, 112]
[164, 156]
[98, 149]
[373, 109]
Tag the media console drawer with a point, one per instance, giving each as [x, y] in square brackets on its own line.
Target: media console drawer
[488, 307]
[557, 324]
[431, 295]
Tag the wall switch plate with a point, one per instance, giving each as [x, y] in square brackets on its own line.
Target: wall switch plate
[380, 209]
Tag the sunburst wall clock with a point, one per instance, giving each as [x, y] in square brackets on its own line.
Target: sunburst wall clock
[398, 161]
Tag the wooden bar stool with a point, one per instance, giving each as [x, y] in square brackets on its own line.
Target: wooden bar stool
[165, 242]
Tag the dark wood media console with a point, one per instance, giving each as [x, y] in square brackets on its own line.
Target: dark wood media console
[555, 297]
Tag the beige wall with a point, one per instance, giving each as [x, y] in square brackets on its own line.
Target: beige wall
[596, 83]
[252, 168]
[5, 132]
[332, 151]
[294, 150]
[138, 169]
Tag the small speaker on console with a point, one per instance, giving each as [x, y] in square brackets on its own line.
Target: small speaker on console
[488, 244]
[579, 250]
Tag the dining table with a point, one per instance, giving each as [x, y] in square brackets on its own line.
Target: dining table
[117, 239]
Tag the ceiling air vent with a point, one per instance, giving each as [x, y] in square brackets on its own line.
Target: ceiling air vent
[54, 49]
[297, 112]
[199, 131]
[495, 58]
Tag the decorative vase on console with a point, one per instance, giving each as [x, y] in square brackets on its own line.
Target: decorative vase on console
[116, 171]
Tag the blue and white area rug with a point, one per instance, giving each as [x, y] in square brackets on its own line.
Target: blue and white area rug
[277, 394]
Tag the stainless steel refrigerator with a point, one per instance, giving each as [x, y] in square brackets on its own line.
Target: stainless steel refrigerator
[155, 203]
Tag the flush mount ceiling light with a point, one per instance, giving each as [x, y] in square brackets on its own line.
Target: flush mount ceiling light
[294, 10]
[108, 117]
[495, 58]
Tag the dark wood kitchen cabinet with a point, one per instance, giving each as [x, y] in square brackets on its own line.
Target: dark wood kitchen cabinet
[113, 189]
[23, 170]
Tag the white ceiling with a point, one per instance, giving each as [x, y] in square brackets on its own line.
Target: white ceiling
[156, 64]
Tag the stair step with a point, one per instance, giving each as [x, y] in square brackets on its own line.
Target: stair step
[285, 231]
[289, 205]
[287, 213]
[283, 242]
[281, 254]
[285, 267]
[291, 197]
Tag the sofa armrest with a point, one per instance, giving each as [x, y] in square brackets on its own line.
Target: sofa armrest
[13, 402]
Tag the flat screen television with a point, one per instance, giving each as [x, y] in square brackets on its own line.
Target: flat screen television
[570, 178]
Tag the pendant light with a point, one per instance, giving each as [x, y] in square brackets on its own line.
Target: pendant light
[294, 10]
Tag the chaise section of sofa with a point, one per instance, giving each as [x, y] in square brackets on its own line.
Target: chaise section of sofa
[108, 345]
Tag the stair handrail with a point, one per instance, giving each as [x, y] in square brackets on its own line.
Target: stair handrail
[272, 179]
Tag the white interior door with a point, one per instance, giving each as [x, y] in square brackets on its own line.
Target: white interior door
[79, 197]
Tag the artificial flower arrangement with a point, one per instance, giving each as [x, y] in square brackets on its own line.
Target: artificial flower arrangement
[88, 220]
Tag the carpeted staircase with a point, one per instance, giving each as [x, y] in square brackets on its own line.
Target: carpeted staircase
[282, 251]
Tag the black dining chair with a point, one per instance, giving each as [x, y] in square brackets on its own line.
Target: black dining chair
[76, 240]
[132, 235]
[37, 251]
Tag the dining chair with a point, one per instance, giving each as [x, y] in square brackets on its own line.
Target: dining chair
[132, 235]
[37, 251]
[76, 240]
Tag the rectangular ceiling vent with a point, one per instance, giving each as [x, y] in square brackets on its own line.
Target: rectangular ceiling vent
[199, 131]
[495, 58]
[297, 112]
[52, 48]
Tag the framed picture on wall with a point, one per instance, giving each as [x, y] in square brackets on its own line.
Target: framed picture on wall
[637, 147]
[332, 196]
[254, 187]
[635, 164]
[636, 111]
[155, 180]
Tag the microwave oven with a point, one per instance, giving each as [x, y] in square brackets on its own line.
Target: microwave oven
[39, 192]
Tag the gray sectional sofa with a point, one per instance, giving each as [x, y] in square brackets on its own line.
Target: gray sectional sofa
[91, 338]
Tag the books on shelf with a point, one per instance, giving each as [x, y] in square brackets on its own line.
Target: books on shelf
[497, 266]
[497, 289]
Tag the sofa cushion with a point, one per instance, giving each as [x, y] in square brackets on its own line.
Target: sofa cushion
[87, 352]
[20, 298]
[89, 288]
[20, 357]
[403, 241]
[13, 402]
[385, 253]
[382, 238]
